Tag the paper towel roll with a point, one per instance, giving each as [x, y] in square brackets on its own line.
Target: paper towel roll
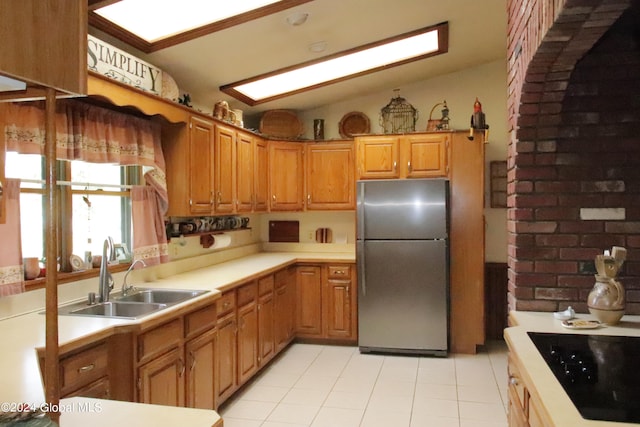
[221, 241]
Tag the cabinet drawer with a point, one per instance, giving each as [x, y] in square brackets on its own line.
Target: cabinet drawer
[158, 340]
[200, 321]
[226, 303]
[99, 389]
[339, 271]
[83, 368]
[247, 294]
[517, 389]
[265, 285]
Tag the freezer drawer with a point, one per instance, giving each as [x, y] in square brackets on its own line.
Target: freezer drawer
[403, 295]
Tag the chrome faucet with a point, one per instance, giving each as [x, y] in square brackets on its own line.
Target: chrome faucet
[126, 288]
[105, 283]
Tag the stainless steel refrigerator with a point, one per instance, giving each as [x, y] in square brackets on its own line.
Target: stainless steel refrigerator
[402, 254]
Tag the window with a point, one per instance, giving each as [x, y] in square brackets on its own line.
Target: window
[93, 205]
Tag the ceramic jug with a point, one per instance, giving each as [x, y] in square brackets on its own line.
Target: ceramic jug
[606, 300]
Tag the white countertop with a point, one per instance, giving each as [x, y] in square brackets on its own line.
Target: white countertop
[81, 411]
[20, 378]
[552, 395]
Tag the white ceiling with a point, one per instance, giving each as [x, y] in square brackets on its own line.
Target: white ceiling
[477, 34]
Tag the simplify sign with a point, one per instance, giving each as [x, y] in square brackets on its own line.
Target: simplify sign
[123, 67]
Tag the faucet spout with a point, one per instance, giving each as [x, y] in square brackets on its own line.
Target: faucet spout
[105, 283]
[126, 288]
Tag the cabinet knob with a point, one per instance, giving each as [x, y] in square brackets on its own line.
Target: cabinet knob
[308, 199]
[274, 197]
[409, 166]
[395, 166]
[513, 381]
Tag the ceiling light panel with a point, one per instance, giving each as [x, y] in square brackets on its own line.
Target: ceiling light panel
[153, 20]
[362, 60]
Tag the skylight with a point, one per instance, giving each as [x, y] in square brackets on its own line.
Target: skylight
[365, 59]
[153, 20]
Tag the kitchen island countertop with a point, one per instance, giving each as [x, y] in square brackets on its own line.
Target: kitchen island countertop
[553, 397]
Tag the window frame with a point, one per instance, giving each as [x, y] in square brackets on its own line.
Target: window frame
[130, 175]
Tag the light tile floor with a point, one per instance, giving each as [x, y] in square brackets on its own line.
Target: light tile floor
[332, 386]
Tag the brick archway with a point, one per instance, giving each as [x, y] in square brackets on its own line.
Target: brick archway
[548, 253]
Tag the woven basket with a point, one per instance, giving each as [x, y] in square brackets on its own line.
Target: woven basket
[354, 123]
[280, 124]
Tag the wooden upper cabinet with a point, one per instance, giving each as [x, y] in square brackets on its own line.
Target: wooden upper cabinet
[261, 175]
[330, 176]
[252, 173]
[44, 43]
[425, 155]
[378, 157]
[200, 173]
[225, 169]
[244, 172]
[403, 156]
[286, 176]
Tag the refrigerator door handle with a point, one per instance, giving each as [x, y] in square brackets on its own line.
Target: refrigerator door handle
[360, 212]
[361, 266]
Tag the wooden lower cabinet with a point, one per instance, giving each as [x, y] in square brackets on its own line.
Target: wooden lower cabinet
[161, 381]
[266, 320]
[227, 357]
[247, 332]
[326, 302]
[284, 305]
[339, 294]
[177, 361]
[524, 408]
[309, 301]
[200, 371]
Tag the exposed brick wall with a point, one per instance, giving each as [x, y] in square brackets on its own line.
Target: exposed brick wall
[574, 111]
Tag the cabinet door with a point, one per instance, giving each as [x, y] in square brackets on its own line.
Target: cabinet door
[225, 169]
[247, 341]
[200, 355]
[425, 155]
[200, 174]
[378, 157]
[161, 381]
[286, 177]
[339, 302]
[261, 175]
[226, 357]
[266, 324]
[309, 301]
[245, 170]
[281, 334]
[330, 176]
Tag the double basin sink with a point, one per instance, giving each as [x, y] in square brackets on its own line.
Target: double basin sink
[132, 305]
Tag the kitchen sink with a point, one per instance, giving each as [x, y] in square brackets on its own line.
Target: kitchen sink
[159, 296]
[138, 303]
[114, 309]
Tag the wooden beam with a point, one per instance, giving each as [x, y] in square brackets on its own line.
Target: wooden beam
[52, 351]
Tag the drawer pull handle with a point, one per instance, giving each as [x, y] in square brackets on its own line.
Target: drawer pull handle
[86, 368]
[339, 271]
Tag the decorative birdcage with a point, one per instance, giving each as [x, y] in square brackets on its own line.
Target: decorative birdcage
[398, 116]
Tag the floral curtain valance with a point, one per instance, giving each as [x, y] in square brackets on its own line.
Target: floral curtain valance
[85, 132]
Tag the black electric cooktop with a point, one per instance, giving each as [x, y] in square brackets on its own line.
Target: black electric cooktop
[600, 373]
